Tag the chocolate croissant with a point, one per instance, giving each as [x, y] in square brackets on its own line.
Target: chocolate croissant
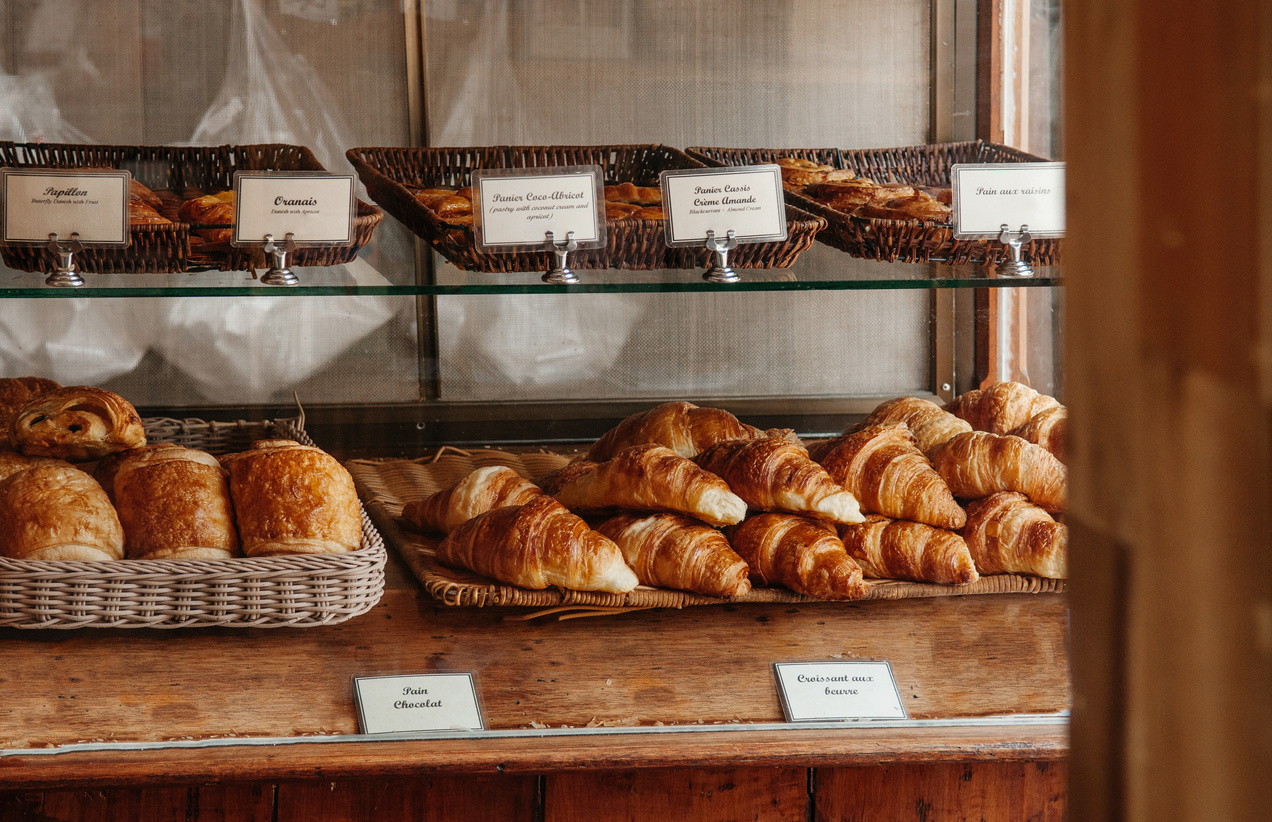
[77, 423]
[1001, 407]
[646, 478]
[681, 426]
[1008, 534]
[802, 554]
[675, 551]
[16, 392]
[884, 469]
[55, 512]
[1046, 428]
[930, 424]
[537, 545]
[897, 549]
[978, 464]
[776, 475]
[485, 489]
[292, 499]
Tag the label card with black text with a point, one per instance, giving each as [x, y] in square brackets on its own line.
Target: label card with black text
[822, 691]
[315, 207]
[747, 200]
[514, 208]
[987, 195]
[417, 702]
[40, 202]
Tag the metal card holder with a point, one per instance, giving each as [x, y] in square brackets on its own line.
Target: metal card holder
[1015, 265]
[280, 273]
[718, 270]
[560, 274]
[65, 274]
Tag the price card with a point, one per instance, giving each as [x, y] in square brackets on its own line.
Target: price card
[747, 200]
[39, 202]
[315, 207]
[515, 208]
[417, 702]
[819, 691]
[987, 195]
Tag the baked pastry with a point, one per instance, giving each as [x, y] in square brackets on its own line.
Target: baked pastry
[914, 205]
[650, 213]
[632, 193]
[57, 512]
[11, 462]
[76, 423]
[846, 195]
[979, 463]
[800, 553]
[485, 489]
[142, 214]
[770, 474]
[681, 426]
[173, 503]
[930, 424]
[619, 211]
[798, 172]
[210, 210]
[16, 392]
[675, 551]
[898, 549]
[1000, 407]
[538, 545]
[884, 469]
[646, 478]
[292, 499]
[1046, 428]
[1008, 534]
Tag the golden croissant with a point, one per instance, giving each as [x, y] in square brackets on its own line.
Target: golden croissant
[646, 478]
[884, 469]
[56, 512]
[1008, 534]
[76, 423]
[978, 464]
[484, 489]
[675, 551]
[898, 549]
[777, 475]
[930, 424]
[681, 426]
[1046, 428]
[802, 554]
[1001, 407]
[537, 545]
[16, 392]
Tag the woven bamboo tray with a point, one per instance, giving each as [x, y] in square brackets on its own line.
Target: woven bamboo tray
[176, 173]
[289, 591]
[387, 485]
[918, 241]
[389, 173]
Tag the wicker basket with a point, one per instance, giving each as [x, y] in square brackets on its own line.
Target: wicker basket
[287, 591]
[630, 244]
[167, 169]
[918, 241]
[387, 485]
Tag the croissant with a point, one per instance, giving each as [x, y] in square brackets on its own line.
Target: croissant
[646, 478]
[1008, 534]
[897, 549]
[292, 499]
[978, 464]
[493, 486]
[883, 468]
[1001, 407]
[11, 462]
[681, 426]
[76, 423]
[16, 392]
[173, 503]
[138, 193]
[777, 475]
[674, 551]
[1046, 428]
[803, 554]
[537, 545]
[55, 512]
[930, 424]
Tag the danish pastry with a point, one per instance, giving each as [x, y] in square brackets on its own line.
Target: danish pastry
[77, 423]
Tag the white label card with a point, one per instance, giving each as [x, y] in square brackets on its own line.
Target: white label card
[516, 208]
[987, 195]
[40, 202]
[747, 200]
[417, 702]
[315, 207]
[820, 691]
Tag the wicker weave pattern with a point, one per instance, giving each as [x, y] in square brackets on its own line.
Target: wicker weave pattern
[630, 244]
[893, 240]
[268, 592]
[387, 485]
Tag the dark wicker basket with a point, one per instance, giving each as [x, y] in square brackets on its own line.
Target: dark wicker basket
[630, 244]
[896, 240]
[166, 248]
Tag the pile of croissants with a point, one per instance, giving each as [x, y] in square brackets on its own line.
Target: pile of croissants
[691, 498]
[79, 482]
